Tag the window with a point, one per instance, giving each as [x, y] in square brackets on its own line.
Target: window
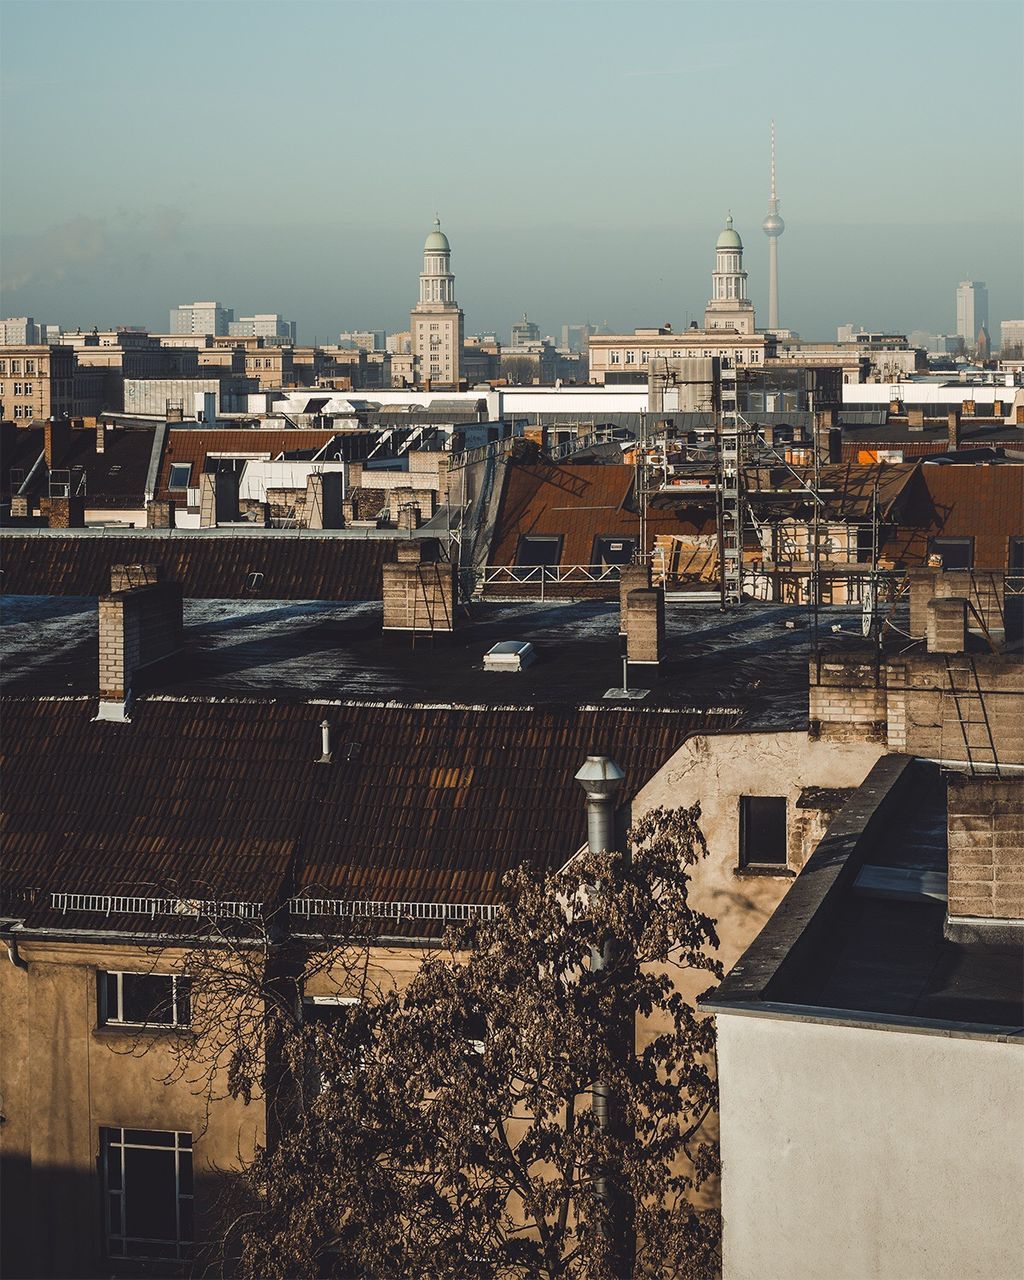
[326, 1010]
[613, 357]
[147, 1193]
[536, 549]
[15, 366]
[3, 366]
[763, 831]
[613, 551]
[181, 473]
[956, 553]
[30, 366]
[1015, 556]
[143, 999]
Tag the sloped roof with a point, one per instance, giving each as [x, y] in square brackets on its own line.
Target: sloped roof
[580, 502]
[225, 799]
[979, 501]
[192, 444]
[208, 564]
[114, 478]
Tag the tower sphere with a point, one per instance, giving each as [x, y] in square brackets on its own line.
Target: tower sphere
[773, 225]
[437, 241]
[729, 239]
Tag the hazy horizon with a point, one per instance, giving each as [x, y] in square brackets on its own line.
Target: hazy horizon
[582, 158]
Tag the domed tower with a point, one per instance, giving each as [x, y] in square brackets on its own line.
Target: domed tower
[729, 307]
[436, 321]
[773, 227]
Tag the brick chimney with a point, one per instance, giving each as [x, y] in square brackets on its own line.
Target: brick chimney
[946, 625]
[140, 622]
[645, 626]
[632, 577]
[953, 430]
[985, 835]
[419, 589]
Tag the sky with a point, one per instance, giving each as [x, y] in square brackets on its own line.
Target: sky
[582, 156]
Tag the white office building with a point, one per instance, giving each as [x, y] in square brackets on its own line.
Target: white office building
[201, 318]
[971, 310]
[268, 325]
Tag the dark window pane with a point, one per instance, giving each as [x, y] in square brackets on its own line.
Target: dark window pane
[106, 986]
[956, 553]
[1016, 555]
[150, 1195]
[180, 474]
[536, 550]
[183, 1002]
[608, 551]
[186, 1219]
[185, 1172]
[763, 830]
[149, 1137]
[116, 1227]
[113, 1157]
[146, 997]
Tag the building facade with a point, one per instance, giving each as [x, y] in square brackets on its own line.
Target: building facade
[269, 325]
[437, 323]
[201, 317]
[36, 382]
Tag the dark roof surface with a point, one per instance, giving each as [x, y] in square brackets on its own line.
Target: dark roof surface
[747, 659]
[209, 564]
[226, 799]
[834, 945]
[192, 444]
[114, 478]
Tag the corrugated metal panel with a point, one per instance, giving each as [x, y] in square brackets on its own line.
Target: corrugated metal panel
[215, 799]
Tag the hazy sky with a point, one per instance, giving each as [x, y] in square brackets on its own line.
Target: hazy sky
[290, 156]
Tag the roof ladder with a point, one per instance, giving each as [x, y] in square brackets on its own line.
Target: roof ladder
[730, 522]
[968, 702]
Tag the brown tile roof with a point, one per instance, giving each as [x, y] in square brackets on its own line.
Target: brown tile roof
[962, 500]
[225, 799]
[208, 565]
[581, 503]
[192, 444]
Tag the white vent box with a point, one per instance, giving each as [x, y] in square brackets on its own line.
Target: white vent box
[510, 655]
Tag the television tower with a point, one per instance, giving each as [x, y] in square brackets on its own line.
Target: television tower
[773, 227]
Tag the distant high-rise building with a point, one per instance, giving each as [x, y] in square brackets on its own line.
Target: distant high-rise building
[436, 321]
[729, 308]
[773, 227]
[524, 331]
[364, 339]
[1011, 338]
[201, 318]
[576, 336]
[971, 310]
[19, 331]
[268, 325]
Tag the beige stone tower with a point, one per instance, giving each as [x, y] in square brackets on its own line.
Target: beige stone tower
[436, 321]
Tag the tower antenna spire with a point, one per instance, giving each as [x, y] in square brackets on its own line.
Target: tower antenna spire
[773, 227]
[773, 160]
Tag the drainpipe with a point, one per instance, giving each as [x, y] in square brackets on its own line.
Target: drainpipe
[602, 779]
[13, 955]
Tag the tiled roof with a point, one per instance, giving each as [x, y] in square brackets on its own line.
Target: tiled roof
[983, 502]
[581, 503]
[225, 799]
[207, 565]
[192, 444]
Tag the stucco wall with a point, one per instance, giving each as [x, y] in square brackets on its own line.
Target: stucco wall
[717, 771]
[852, 1153]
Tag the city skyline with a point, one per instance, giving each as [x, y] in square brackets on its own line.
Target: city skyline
[609, 214]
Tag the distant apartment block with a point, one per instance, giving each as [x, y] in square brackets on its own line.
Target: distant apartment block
[576, 336]
[524, 331]
[1011, 337]
[201, 318]
[36, 382]
[365, 340]
[24, 331]
[270, 326]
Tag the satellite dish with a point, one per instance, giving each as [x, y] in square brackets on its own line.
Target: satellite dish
[868, 609]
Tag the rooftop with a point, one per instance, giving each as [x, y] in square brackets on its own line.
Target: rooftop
[860, 935]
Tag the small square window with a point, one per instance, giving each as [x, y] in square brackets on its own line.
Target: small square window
[763, 831]
[181, 473]
[536, 549]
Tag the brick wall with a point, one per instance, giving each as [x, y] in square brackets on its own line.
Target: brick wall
[983, 590]
[986, 847]
[632, 577]
[160, 514]
[137, 626]
[419, 589]
[645, 625]
[909, 704]
[63, 513]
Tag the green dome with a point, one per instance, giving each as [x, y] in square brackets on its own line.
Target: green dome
[437, 241]
[729, 239]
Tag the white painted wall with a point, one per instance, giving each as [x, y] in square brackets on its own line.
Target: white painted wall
[852, 1153]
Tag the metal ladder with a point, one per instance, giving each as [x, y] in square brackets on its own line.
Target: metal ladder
[730, 521]
[968, 702]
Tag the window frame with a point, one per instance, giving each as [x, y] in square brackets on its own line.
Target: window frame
[596, 559]
[113, 1139]
[179, 488]
[558, 539]
[180, 999]
[745, 861]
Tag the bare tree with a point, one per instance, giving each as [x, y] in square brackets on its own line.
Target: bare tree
[451, 1129]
